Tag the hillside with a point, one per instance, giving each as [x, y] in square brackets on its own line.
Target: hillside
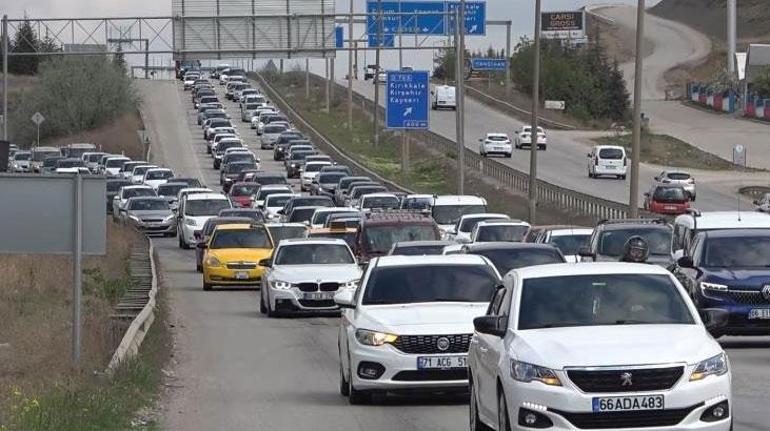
[710, 18]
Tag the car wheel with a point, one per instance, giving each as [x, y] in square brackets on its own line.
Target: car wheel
[509, 155]
[180, 242]
[262, 307]
[503, 419]
[590, 175]
[622, 177]
[206, 286]
[183, 244]
[356, 397]
[476, 423]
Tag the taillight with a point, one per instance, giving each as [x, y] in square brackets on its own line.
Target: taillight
[596, 161]
[625, 162]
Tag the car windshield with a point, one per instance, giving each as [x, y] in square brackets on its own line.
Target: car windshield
[22, 156]
[570, 244]
[219, 123]
[502, 233]
[286, 232]
[506, 259]
[148, 205]
[611, 153]
[191, 182]
[357, 192]
[348, 237]
[330, 178]
[140, 170]
[239, 157]
[379, 239]
[159, 175]
[276, 201]
[215, 114]
[170, 189]
[417, 203]
[114, 163]
[234, 168]
[737, 252]
[132, 193]
[678, 176]
[419, 250]
[386, 202]
[301, 215]
[313, 167]
[264, 193]
[611, 242]
[669, 194]
[240, 238]
[39, 156]
[300, 155]
[429, 283]
[274, 128]
[114, 186]
[322, 216]
[593, 300]
[311, 201]
[244, 189]
[314, 254]
[469, 223]
[205, 207]
[449, 214]
[51, 161]
[74, 163]
[93, 158]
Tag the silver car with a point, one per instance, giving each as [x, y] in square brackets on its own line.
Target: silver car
[151, 215]
[681, 178]
[270, 134]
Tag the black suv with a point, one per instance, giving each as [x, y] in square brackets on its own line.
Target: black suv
[610, 236]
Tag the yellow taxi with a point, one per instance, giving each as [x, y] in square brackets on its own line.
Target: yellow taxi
[337, 230]
[232, 255]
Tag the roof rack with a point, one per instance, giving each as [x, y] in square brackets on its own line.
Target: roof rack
[657, 220]
[394, 214]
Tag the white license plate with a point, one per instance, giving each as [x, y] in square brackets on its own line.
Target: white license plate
[759, 313]
[242, 275]
[669, 207]
[318, 296]
[611, 167]
[620, 404]
[442, 362]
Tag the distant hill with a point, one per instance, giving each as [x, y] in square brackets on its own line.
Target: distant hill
[710, 17]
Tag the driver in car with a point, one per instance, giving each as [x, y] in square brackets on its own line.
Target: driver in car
[636, 250]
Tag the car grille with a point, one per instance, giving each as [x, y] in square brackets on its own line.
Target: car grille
[241, 265]
[315, 287]
[630, 419]
[431, 375]
[428, 344]
[325, 303]
[152, 220]
[643, 379]
[745, 297]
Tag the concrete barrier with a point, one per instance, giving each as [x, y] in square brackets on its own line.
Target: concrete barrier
[707, 97]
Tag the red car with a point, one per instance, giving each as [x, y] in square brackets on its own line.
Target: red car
[240, 194]
[667, 199]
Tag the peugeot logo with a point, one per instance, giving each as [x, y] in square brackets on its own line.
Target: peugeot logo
[626, 379]
[443, 344]
[766, 292]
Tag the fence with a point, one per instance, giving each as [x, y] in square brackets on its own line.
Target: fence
[757, 107]
[718, 101]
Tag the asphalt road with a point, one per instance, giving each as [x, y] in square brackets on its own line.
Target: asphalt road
[675, 44]
[236, 370]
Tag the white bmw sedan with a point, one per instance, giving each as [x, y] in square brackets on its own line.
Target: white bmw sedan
[597, 346]
[409, 324]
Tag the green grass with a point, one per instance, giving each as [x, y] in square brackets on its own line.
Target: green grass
[428, 174]
[669, 151]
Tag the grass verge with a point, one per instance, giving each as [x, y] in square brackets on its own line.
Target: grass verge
[669, 151]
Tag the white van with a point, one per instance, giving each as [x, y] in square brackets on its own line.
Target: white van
[608, 160]
[443, 97]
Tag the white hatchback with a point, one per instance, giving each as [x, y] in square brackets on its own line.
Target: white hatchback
[597, 346]
[408, 326]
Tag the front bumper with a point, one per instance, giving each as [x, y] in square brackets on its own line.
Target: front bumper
[567, 406]
[224, 276]
[155, 228]
[498, 149]
[739, 321]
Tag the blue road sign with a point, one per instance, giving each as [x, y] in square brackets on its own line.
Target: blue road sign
[386, 41]
[339, 36]
[390, 21]
[407, 96]
[489, 64]
[423, 24]
[475, 17]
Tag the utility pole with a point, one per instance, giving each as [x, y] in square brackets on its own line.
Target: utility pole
[377, 75]
[400, 38]
[633, 199]
[332, 85]
[508, 58]
[307, 78]
[535, 112]
[5, 77]
[350, 67]
[460, 95]
[732, 17]
[327, 87]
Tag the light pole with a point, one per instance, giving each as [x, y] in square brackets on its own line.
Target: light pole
[460, 95]
[350, 67]
[731, 34]
[377, 75]
[533, 136]
[633, 199]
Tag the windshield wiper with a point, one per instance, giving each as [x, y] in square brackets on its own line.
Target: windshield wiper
[632, 322]
[561, 325]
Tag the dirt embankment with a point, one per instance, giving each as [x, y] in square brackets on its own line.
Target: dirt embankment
[117, 137]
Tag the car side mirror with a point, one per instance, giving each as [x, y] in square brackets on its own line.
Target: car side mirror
[586, 252]
[491, 325]
[265, 262]
[685, 262]
[345, 299]
[646, 195]
[714, 318]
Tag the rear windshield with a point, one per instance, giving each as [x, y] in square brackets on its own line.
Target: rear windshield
[275, 128]
[570, 244]
[502, 233]
[39, 156]
[159, 175]
[277, 201]
[468, 224]
[148, 205]
[506, 259]
[418, 250]
[114, 186]
[70, 163]
[301, 215]
[132, 193]
[611, 242]
[255, 215]
[430, 283]
[170, 189]
[330, 178]
[22, 156]
[670, 194]
[286, 232]
[381, 202]
[348, 237]
[360, 191]
[611, 153]
[679, 176]
[114, 163]
[314, 167]
[380, 239]
[244, 189]
[270, 180]
[205, 207]
[314, 254]
[240, 238]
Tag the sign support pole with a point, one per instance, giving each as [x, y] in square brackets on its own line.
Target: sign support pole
[77, 258]
[405, 165]
[535, 113]
[327, 87]
[331, 80]
[377, 75]
[5, 77]
[508, 58]
[460, 96]
[350, 68]
[633, 199]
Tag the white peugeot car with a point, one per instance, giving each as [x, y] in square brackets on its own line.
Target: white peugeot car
[597, 346]
[194, 211]
[303, 275]
[496, 143]
[409, 324]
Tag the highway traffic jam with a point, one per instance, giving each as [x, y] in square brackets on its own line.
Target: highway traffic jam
[540, 325]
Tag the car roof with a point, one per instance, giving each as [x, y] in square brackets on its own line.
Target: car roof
[440, 243]
[159, 169]
[455, 259]
[497, 134]
[206, 196]
[506, 245]
[601, 147]
[737, 233]
[137, 186]
[153, 198]
[302, 225]
[480, 215]
[725, 220]
[279, 195]
[574, 231]
[589, 268]
[317, 240]
[458, 200]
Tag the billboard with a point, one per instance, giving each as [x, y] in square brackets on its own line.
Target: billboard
[563, 25]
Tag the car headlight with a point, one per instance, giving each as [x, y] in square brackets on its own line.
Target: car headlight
[715, 366]
[374, 338]
[713, 286]
[189, 222]
[352, 284]
[524, 372]
[213, 261]
[168, 219]
[282, 285]
[135, 218]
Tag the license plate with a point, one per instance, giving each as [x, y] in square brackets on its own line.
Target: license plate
[242, 275]
[319, 296]
[442, 362]
[618, 404]
[669, 207]
[759, 313]
[611, 167]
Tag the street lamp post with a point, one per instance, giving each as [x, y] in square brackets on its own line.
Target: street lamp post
[633, 198]
[535, 112]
